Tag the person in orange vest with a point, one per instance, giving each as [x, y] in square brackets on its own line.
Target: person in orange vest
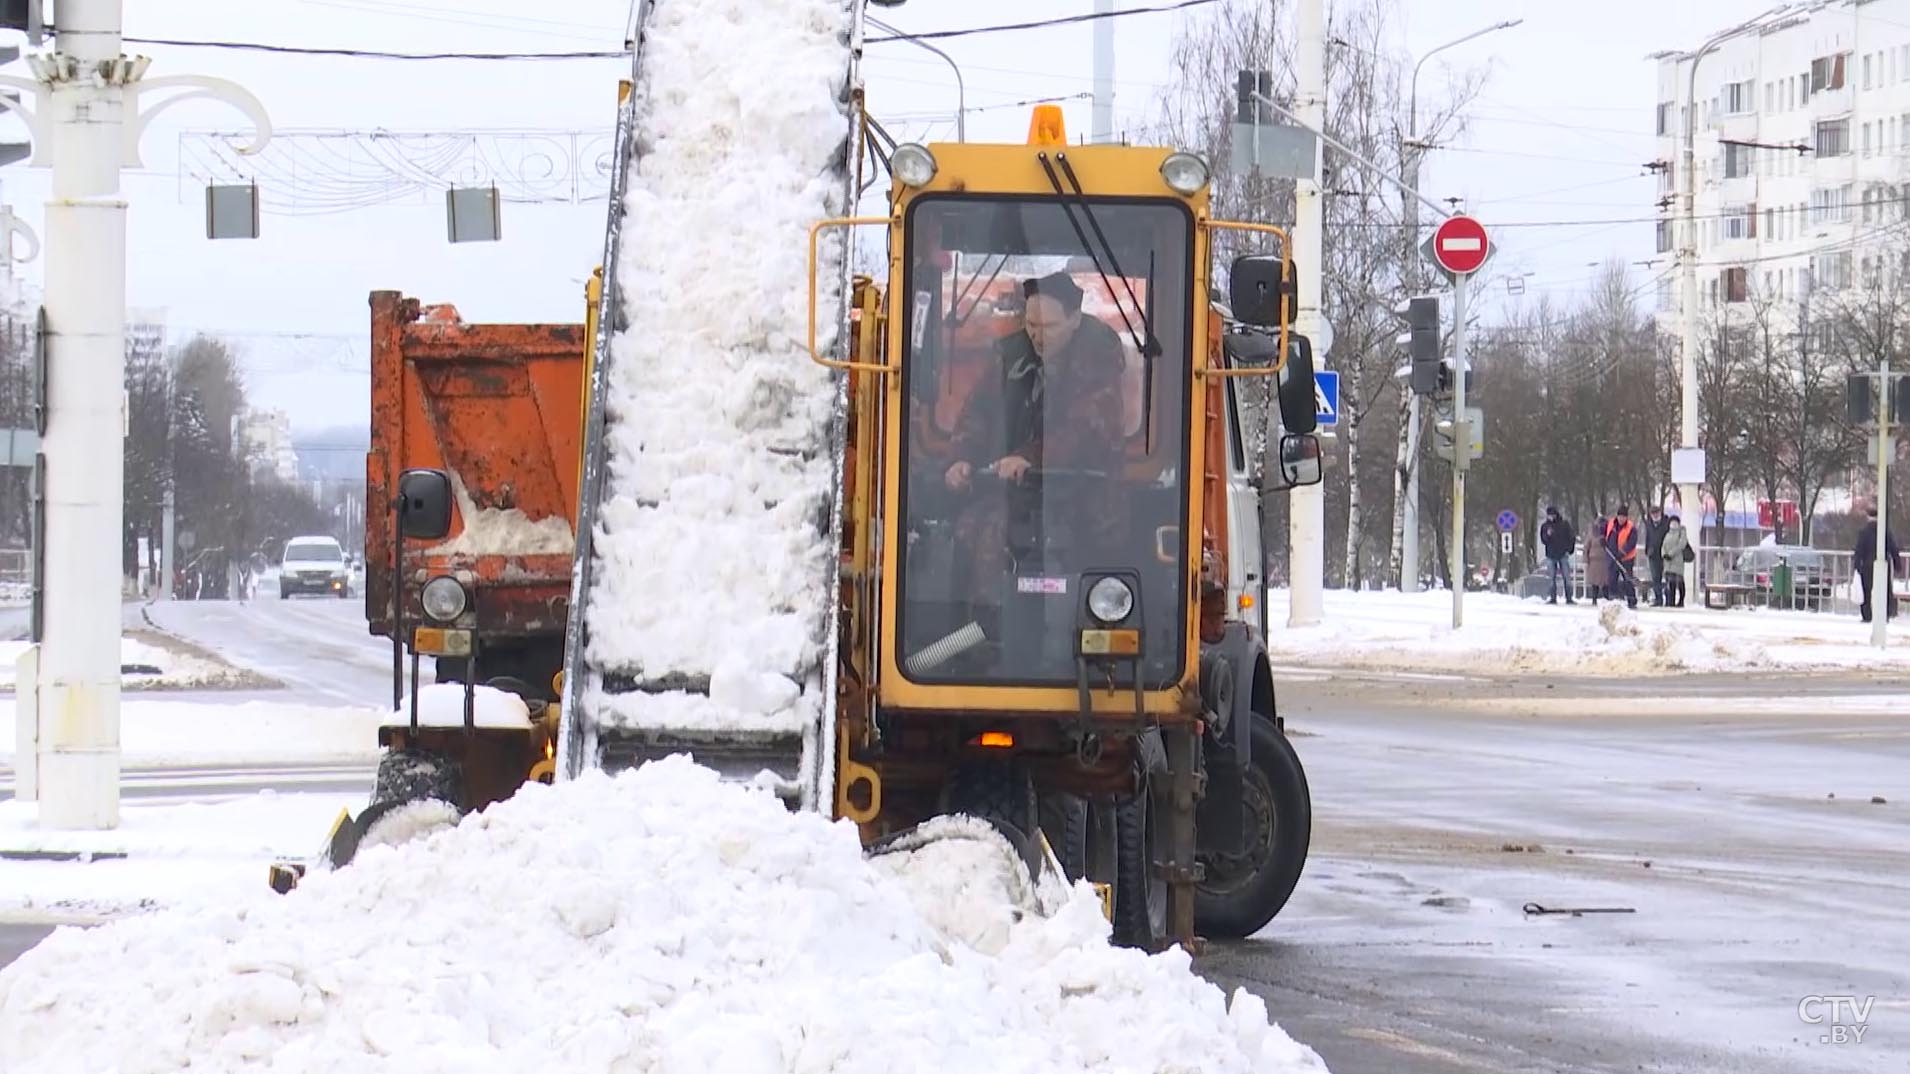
[1621, 543]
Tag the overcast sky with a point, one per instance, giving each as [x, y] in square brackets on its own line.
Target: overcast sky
[1559, 134]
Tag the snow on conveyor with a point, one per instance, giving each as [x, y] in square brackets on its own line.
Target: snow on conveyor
[660, 922]
[710, 566]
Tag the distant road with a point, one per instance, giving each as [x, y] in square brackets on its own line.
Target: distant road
[318, 647]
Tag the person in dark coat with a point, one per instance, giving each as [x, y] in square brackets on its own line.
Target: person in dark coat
[1058, 403]
[1621, 544]
[1655, 526]
[1866, 557]
[1556, 536]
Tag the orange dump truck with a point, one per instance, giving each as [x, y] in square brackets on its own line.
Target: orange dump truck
[499, 407]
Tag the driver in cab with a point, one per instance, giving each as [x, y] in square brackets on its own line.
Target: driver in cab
[1057, 404]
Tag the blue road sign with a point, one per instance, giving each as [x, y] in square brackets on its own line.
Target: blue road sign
[1326, 395]
[1508, 521]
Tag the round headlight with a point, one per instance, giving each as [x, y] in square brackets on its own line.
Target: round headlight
[1184, 172]
[912, 164]
[443, 599]
[1110, 600]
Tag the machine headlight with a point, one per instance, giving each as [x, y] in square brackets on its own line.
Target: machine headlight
[912, 164]
[1185, 173]
[1110, 600]
[443, 599]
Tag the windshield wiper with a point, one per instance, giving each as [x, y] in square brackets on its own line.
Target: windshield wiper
[1149, 346]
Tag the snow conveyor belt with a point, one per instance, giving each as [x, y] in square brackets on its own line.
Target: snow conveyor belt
[702, 614]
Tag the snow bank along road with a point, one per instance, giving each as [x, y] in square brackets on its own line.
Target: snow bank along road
[1745, 841]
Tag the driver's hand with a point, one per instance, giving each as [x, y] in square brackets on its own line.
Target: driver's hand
[1012, 467]
[957, 476]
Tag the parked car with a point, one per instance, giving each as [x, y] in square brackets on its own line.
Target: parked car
[1755, 577]
[313, 565]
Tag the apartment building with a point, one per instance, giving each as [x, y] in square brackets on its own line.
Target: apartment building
[1803, 153]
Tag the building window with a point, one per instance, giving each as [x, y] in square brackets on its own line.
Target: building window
[1830, 206]
[1770, 223]
[1866, 146]
[1740, 97]
[1830, 271]
[1740, 222]
[1833, 138]
[1664, 236]
[1770, 96]
[1735, 285]
[1866, 70]
[1827, 73]
[1664, 117]
[1737, 160]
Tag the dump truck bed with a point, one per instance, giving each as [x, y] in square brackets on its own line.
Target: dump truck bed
[500, 408]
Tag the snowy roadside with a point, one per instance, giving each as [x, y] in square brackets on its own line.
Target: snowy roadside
[164, 853]
[153, 660]
[1504, 635]
[256, 732]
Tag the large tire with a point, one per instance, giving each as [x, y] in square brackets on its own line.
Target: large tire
[1140, 896]
[1064, 820]
[1242, 892]
[1002, 793]
[417, 775]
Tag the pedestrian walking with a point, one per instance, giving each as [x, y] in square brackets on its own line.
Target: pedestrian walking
[1598, 565]
[1866, 559]
[1621, 546]
[1673, 554]
[1558, 540]
[1656, 526]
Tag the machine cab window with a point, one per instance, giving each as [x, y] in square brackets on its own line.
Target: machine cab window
[1046, 370]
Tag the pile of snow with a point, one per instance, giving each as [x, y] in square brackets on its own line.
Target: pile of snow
[710, 565]
[442, 705]
[502, 531]
[659, 921]
[1505, 635]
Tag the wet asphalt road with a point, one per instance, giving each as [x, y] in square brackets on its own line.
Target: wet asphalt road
[1406, 947]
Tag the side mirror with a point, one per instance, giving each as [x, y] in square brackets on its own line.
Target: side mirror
[424, 504]
[1300, 462]
[1262, 291]
[1299, 401]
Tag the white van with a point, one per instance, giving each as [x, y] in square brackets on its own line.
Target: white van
[313, 565]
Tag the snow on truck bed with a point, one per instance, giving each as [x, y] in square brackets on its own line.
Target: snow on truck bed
[709, 563]
[658, 921]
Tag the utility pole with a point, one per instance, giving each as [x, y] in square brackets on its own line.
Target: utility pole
[1688, 288]
[1881, 570]
[86, 98]
[1410, 155]
[1306, 525]
[1103, 126]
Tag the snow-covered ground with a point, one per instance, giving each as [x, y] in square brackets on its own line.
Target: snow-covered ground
[1506, 635]
[718, 445]
[147, 666]
[659, 921]
[164, 852]
[256, 732]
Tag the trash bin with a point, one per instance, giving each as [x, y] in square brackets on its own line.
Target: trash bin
[1781, 583]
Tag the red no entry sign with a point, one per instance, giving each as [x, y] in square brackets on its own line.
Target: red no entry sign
[1459, 245]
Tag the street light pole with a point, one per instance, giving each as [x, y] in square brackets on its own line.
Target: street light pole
[1306, 520]
[1688, 283]
[961, 90]
[1409, 158]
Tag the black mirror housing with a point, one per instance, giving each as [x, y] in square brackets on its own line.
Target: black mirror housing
[1262, 291]
[1299, 403]
[424, 504]
[1301, 463]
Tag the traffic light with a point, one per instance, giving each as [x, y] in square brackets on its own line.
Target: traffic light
[1421, 338]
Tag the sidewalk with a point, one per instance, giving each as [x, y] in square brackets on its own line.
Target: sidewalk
[1504, 635]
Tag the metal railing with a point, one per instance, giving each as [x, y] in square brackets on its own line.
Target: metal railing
[1790, 579]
